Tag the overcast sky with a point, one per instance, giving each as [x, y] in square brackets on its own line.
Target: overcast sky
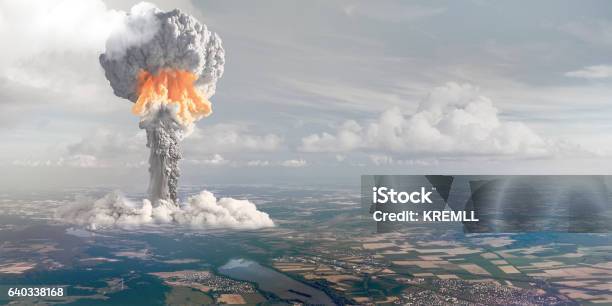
[321, 91]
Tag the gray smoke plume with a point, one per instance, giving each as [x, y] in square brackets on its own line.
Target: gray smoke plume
[164, 134]
[151, 40]
[163, 137]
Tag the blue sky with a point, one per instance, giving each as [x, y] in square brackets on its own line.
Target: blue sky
[322, 91]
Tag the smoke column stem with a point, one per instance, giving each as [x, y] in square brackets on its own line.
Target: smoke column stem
[163, 137]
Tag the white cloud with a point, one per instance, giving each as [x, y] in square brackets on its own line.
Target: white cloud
[76, 161]
[258, 163]
[382, 160]
[82, 161]
[34, 163]
[138, 164]
[215, 160]
[55, 26]
[54, 48]
[219, 160]
[454, 119]
[592, 72]
[201, 211]
[106, 143]
[348, 137]
[55, 44]
[223, 137]
[290, 163]
[294, 163]
[116, 147]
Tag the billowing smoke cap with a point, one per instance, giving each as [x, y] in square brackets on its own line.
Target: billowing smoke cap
[150, 40]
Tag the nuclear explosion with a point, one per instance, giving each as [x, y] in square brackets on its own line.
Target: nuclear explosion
[170, 78]
[167, 64]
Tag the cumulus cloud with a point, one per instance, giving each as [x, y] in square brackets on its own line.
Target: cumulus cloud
[107, 143]
[35, 27]
[82, 161]
[347, 137]
[215, 160]
[453, 119]
[207, 145]
[75, 161]
[224, 137]
[53, 46]
[382, 159]
[258, 163]
[294, 163]
[201, 211]
[290, 163]
[591, 72]
[219, 160]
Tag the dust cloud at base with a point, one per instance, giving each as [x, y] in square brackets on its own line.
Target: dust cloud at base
[201, 211]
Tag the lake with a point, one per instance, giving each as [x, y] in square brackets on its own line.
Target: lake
[272, 281]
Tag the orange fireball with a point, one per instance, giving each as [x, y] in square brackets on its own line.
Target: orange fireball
[171, 86]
